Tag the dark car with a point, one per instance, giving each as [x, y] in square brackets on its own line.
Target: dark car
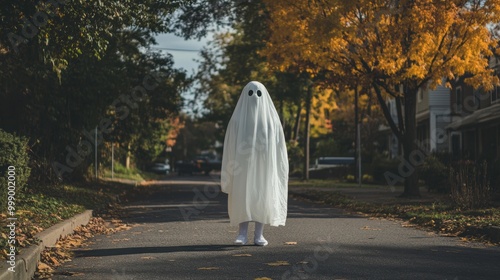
[199, 164]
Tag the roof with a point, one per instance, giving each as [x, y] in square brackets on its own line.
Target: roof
[481, 116]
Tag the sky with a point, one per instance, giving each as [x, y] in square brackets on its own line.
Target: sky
[184, 52]
[176, 45]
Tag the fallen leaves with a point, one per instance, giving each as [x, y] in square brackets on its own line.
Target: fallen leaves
[291, 243]
[44, 270]
[263, 278]
[369, 228]
[242, 255]
[43, 266]
[278, 263]
[209, 268]
[53, 257]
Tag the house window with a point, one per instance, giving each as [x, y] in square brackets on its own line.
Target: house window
[420, 95]
[458, 99]
[495, 95]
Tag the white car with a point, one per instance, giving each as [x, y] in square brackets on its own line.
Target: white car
[159, 167]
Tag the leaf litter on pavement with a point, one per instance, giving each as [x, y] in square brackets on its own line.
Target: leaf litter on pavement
[242, 255]
[209, 268]
[55, 256]
[278, 263]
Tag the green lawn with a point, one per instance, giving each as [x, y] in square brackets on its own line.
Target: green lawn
[317, 183]
[134, 174]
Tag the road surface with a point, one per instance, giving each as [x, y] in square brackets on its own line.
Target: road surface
[182, 231]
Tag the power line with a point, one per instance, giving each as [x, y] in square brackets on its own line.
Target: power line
[173, 49]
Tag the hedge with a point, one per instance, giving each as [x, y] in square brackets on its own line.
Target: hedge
[13, 157]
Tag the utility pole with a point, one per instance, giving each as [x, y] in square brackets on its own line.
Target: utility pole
[95, 142]
[307, 132]
[358, 136]
[112, 160]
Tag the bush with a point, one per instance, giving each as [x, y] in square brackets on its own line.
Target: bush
[380, 166]
[367, 178]
[350, 178]
[470, 187]
[435, 174]
[494, 174]
[338, 172]
[296, 158]
[13, 153]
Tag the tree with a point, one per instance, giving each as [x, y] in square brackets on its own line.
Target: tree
[66, 63]
[395, 47]
[232, 59]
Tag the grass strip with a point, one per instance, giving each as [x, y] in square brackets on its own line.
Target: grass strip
[44, 206]
[439, 216]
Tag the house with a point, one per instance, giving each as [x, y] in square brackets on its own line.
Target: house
[432, 116]
[475, 126]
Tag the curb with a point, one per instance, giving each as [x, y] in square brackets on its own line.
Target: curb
[494, 233]
[27, 261]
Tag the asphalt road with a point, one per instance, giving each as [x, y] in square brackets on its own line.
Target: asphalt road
[182, 231]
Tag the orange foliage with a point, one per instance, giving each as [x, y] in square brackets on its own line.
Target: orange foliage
[385, 42]
[176, 124]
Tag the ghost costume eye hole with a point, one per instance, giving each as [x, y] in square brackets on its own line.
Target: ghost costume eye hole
[259, 93]
[250, 92]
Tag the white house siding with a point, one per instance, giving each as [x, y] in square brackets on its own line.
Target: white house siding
[439, 118]
[433, 115]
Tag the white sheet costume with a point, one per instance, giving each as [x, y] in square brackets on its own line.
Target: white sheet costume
[254, 170]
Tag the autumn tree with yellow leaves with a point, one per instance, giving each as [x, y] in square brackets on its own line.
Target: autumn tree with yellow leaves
[395, 47]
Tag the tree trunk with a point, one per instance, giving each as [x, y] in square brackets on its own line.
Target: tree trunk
[408, 167]
[406, 134]
[296, 126]
[356, 120]
[307, 133]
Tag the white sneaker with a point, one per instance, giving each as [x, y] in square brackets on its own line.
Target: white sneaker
[261, 241]
[241, 240]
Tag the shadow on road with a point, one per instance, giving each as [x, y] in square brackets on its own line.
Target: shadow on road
[200, 198]
[152, 250]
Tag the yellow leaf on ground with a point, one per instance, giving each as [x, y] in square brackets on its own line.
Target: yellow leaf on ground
[278, 263]
[291, 243]
[43, 266]
[263, 278]
[369, 228]
[123, 227]
[242, 255]
[148, 258]
[54, 261]
[208, 268]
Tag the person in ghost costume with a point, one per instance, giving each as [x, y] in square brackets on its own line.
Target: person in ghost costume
[254, 170]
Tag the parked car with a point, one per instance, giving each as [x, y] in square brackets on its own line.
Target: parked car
[160, 167]
[199, 164]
